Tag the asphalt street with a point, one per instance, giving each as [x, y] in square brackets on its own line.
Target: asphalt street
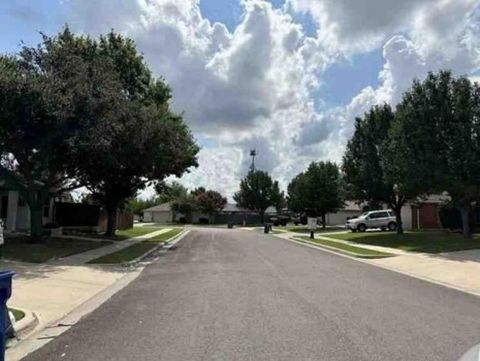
[240, 295]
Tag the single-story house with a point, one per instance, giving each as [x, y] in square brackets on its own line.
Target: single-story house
[15, 213]
[351, 209]
[421, 214]
[163, 213]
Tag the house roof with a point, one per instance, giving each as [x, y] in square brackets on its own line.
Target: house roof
[229, 207]
[164, 207]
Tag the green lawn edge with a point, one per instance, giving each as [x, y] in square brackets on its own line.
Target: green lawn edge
[346, 248]
[17, 314]
[137, 250]
[414, 241]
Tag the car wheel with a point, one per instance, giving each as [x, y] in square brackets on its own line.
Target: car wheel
[392, 226]
[362, 228]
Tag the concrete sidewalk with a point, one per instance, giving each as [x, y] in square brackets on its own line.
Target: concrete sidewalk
[457, 270]
[52, 291]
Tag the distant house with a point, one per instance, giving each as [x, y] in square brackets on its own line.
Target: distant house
[420, 214]
[230, 213]
[15, 213]
[159, 214]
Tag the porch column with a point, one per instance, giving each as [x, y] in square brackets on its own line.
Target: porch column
[12, 211]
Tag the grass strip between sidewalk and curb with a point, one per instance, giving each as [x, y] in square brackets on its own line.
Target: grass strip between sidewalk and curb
[414, 241]
[165, 237]
[344, 248]
[137, 250]
[17, 314]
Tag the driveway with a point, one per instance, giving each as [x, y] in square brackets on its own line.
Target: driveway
[239, 295]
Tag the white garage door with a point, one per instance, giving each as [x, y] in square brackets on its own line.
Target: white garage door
[162, 217]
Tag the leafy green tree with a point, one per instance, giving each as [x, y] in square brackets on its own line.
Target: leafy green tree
[365, 160]
[435, 140]
[184, 204]
[258, 192]
[317, 191]
[48, 97]
[169, 192]
[139, 140]
[209, 201]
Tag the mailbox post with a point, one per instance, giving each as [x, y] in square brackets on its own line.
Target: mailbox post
[312, 226]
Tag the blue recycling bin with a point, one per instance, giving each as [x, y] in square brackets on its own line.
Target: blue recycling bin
[5, 293]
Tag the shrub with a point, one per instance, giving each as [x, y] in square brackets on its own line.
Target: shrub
[450, 217]
[203, 220]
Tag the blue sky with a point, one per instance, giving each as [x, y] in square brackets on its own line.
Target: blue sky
[22, 22]
[289, 81]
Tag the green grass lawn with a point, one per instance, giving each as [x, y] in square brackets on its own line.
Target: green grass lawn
[361, 252]
[428, 242]
[120, 235]
[305, 230]
[136, 250]
[135, 232]
[161, 238]
[126, 254]
[17, 314]
[18, 248]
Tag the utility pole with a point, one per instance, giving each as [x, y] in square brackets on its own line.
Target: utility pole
[253, 153]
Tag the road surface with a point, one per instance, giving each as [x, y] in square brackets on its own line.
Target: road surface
[240, 295]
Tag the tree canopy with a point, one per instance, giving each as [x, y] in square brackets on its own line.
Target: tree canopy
[258, 192]
[90, 111]
[365, 160]
[435, 140]
[317, 191]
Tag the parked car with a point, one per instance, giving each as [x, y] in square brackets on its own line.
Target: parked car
[383, 219]
[300, 218]
[280, 220]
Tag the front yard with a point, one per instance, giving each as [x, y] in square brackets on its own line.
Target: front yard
[427, 242]
[19, 249]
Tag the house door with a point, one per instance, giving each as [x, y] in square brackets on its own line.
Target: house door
[429, 216]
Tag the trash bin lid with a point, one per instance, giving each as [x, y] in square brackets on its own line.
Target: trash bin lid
[6, 274]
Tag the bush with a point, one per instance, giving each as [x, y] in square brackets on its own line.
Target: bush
[183, 220]
[203, 220]
[450, 217]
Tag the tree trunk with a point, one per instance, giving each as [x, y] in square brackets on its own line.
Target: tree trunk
[262, 213]
[398, 218]
[465, 212]
[324, 223]
[36, 223]
[111, 221]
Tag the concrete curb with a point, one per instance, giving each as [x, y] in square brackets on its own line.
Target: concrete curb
[341, 251]
[47, 332]
[27, 324]
[164, 245]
